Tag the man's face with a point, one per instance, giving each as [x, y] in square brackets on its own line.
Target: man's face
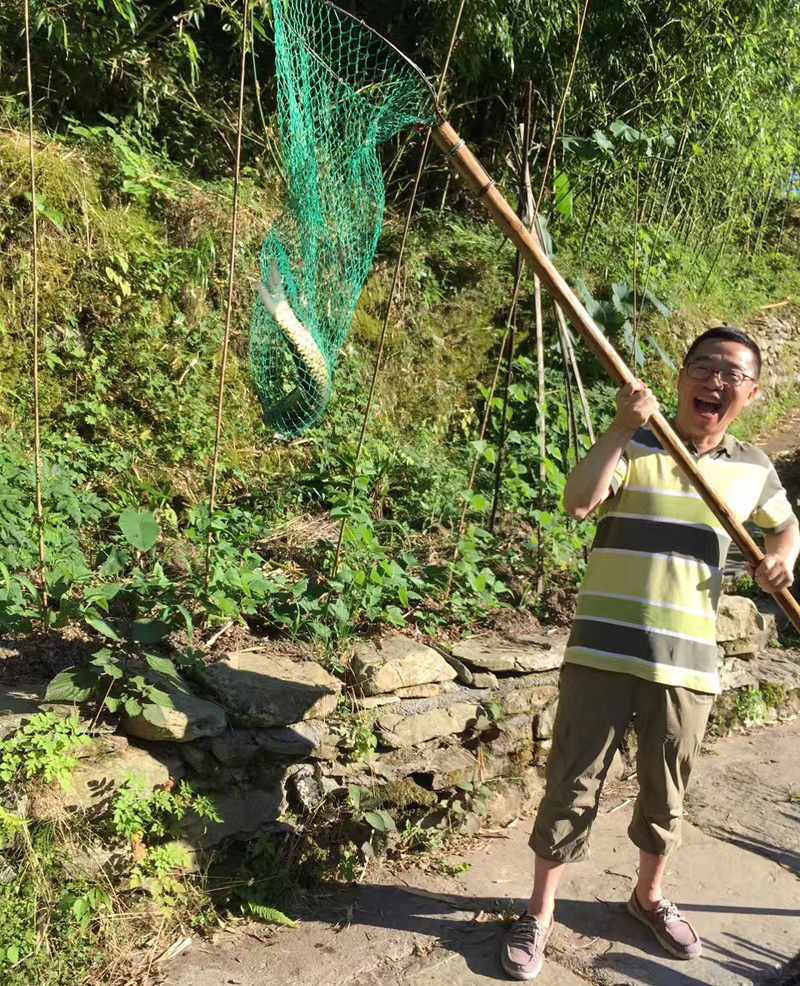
[707, 407]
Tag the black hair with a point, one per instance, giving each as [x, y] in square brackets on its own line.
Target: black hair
[728, 333]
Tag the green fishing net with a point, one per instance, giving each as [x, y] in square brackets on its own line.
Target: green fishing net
[342, 90]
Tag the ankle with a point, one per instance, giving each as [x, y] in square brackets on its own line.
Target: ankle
[543, 915]
[648, 897]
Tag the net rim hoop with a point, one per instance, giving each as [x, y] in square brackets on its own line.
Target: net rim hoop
[362, 23]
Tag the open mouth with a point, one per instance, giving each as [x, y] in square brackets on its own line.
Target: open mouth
[708, 407]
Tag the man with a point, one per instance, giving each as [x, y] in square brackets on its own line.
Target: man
[643, 642]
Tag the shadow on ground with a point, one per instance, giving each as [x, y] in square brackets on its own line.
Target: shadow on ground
[588, 937]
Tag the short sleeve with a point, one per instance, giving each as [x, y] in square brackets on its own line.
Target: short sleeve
[773, 512]
[620, 472]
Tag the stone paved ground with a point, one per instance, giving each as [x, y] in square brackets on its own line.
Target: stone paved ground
[736, 876]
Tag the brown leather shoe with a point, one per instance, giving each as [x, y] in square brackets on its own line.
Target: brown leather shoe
[672, 931]
[523, 950]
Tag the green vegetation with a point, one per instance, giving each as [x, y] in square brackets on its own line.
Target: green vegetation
[669, 206]
[77, 894]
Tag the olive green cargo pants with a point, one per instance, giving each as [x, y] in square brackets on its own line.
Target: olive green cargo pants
[594, 710]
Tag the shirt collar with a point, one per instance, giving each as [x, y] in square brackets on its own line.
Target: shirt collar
[726, 447]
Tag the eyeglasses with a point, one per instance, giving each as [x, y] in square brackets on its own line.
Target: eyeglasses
[727, 377]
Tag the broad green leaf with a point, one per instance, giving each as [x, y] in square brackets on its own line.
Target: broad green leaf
[163, 665]
[101, 626]
[187, 619]
[153, 714]
[140, 528]
[664, 356]
[564, 196]
[376, 820]
[75, 685]
[388, 821]
[160, 698]
[149, 631]
[105, 591]
[133, 707]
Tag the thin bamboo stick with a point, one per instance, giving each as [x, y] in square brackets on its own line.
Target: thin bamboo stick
[525, 212]
[478, 180]
[37, 430]
[542, 430]
[587, 414]
[571, 416]
[231, 268]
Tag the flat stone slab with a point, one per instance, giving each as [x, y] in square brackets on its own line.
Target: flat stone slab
[190, 718]
[18, 704]
[437, 766]
[245, 812]
[397, 662]
[397, 731]
[258, 688]
[494, 653]
[776, 667]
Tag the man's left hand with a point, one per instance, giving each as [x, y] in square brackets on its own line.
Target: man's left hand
[772, 574]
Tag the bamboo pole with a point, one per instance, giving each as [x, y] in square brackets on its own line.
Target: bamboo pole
[478, 181]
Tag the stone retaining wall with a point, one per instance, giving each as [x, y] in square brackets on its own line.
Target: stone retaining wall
[264, 734]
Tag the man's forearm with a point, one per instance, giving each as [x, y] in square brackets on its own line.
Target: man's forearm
[589, 482]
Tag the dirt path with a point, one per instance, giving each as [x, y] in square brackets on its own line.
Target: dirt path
[736, 875]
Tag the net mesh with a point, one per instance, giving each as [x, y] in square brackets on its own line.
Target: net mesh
[342, 91]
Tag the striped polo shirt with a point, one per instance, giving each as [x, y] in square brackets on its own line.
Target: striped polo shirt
[647, 605]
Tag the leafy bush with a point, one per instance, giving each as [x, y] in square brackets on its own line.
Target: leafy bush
[42, 747]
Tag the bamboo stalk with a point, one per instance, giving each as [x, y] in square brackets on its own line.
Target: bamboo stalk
[479, 182]
[587, 414]
[37, 430]
[542, 431]
[526, 213]
[498, 468]
[229, 311]
[571, 416]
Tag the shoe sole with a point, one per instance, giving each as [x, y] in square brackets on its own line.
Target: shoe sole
[664, 944]
[523, 977]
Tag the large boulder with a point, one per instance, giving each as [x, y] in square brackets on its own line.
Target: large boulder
[397, 662]
[189, 718]
[493, 653]
[96, 779]
[741, 629]
[262, 689]
[396, 730]
[246, 812]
